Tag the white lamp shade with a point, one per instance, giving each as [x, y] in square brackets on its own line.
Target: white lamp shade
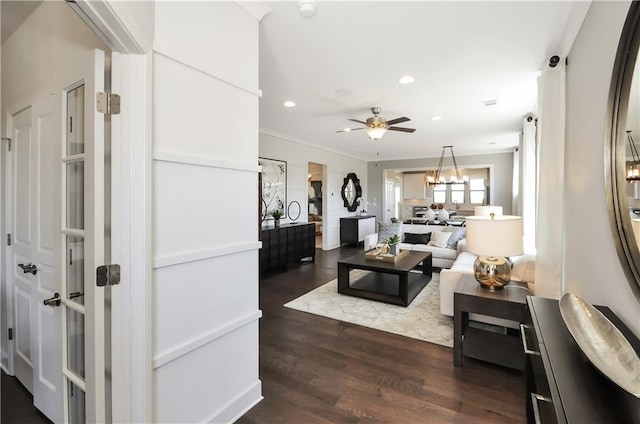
[487, 210]
[500, 236]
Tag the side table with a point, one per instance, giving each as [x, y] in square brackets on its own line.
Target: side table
[509, 303]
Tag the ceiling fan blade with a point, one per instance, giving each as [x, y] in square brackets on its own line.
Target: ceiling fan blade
[358, 121]
[398, 120]
[409, 130]
[349, 130]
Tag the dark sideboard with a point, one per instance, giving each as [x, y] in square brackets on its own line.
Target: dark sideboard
[285, 244]
[353, 229]
[562, 385]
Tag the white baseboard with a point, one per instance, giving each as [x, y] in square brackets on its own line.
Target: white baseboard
[238, 406]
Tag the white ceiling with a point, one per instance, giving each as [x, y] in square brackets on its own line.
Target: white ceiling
[460, 53]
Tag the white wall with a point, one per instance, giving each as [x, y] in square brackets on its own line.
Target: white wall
[297, 156]
[205, 148]
[40, 54]
[593, 270]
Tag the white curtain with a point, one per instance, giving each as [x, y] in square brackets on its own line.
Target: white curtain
[550, 208]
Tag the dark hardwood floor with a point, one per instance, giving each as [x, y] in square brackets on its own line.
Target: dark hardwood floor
[318, 370]
[17, 404]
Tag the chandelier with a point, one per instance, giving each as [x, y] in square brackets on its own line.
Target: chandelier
[437, 178]
[633, 170]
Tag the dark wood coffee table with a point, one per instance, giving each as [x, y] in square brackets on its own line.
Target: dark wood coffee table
[509, 303]
[388, 282]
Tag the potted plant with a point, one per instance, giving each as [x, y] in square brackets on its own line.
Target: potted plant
[393, 244]
[276, 214]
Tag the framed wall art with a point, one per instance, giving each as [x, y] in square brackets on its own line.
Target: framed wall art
[274, 187]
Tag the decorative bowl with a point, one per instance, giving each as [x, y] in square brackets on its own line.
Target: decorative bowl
[602, 343]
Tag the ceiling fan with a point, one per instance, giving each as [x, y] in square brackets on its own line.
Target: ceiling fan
[376, 126]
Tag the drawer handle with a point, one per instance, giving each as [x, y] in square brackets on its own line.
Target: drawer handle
[534, 402]
[525, 345]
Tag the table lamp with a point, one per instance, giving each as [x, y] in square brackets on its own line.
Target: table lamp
[487, 210]
[492, 238]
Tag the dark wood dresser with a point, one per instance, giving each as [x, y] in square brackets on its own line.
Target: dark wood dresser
[286, 244]
[563, 386]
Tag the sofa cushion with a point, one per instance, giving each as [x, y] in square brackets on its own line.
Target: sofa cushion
[417, 238]
[436, 252]
[439, 239]
[464, 263]
[457, 234]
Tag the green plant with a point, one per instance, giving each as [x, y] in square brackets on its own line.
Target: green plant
[393, 240]
[276, 213]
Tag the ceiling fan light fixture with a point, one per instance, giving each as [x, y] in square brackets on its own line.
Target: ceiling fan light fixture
[376, 133]
[289, 103]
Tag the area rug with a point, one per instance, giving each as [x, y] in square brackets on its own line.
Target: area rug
[421, 320]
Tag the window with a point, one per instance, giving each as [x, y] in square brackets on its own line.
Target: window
[476, 191]
[440, 193]
[457, 193]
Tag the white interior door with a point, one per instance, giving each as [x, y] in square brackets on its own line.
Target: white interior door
[82, 238]
[56, 217]
[390, 200]
[35, 251]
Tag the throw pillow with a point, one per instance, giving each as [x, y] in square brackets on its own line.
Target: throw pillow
[457, 234]
[387, 230]
[417, 238]
[439, 239]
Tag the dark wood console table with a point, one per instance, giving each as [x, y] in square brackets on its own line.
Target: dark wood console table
[286, 244]
[353, 229]
[562, 385]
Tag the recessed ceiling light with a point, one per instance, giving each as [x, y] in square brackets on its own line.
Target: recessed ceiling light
[307, 8]
[407, 79]
[436, 118]
[289, 103]
[343, 92]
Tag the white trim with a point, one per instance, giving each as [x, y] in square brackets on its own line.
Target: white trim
[206, 338]
[199, 255]
[164, 156]
[258, 9]
[199, 66]
[250, 397]
[131, 168]
[113, 24]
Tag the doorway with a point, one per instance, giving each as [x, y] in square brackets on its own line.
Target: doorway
[54, 180]
[315, 205]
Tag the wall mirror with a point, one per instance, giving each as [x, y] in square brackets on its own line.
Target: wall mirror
[351, 192]
[623, 197]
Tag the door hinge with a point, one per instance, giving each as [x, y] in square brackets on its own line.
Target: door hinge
[8, 140]
[10, 331]
[108, 103]
[8, 239]
[108, 275]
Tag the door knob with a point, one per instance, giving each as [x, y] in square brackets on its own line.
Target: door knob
[28, 268]
[53, 301]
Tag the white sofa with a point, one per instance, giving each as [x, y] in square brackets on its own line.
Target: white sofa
[442, 257]
[522, 269]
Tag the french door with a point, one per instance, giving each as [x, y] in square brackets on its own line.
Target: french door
[56, 215]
